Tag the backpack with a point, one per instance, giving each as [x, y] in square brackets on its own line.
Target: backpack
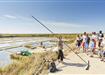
[104, 54]
[102, 35]
[53, 67]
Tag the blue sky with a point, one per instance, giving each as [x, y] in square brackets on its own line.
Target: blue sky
[61, 16]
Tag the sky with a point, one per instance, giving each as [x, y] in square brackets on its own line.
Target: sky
[61, 16]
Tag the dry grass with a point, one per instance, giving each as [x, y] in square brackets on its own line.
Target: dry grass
[28, 65]
[29, 46]
[23, 65]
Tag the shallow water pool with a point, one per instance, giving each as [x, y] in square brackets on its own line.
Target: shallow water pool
[5, 58]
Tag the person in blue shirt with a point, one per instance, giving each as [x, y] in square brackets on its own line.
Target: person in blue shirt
[87, 43]
[92, 46]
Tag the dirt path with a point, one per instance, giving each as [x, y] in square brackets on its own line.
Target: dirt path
[74, 65]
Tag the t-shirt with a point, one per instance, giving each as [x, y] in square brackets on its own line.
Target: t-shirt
[94, 37]
[60, 44]
[92, 45]
[100, 36]
[81, 39]
[84, 38]
[103, 43]
[78, 38]
[88, 40]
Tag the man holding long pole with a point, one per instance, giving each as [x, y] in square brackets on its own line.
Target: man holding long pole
[60, 48]
[88, 64]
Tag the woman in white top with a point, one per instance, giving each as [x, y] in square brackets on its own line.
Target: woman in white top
[101, 50]
[100, 37]
[84, 41]
[94, 37]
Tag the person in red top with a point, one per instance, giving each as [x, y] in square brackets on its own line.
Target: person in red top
[84, 41]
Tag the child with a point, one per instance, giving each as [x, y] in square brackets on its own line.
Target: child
[78, 43]
[101, 53]
[92, 47]
[101, 50]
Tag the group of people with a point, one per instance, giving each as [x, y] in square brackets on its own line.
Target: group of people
[91, 43]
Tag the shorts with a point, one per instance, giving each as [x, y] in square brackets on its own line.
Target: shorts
[60, 55]
[86, 45]
[83, 44]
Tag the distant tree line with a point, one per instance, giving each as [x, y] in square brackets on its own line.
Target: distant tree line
[38, 35]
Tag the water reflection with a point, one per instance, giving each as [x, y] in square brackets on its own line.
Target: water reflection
[5, 58]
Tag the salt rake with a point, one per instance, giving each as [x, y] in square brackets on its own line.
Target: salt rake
[88, 63]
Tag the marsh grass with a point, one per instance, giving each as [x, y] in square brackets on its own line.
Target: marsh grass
[27, 65]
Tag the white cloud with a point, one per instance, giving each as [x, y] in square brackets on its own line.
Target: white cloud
[65, 24]
[49, 23]
[10, 16]
[29, 25]
[67, 27]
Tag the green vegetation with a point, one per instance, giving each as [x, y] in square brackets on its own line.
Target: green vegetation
[29, 65]
[39, 35]
[23, 65]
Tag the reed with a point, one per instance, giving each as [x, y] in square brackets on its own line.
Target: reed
[27, 65]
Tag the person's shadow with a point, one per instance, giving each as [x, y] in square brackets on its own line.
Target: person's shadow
[73, 64]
